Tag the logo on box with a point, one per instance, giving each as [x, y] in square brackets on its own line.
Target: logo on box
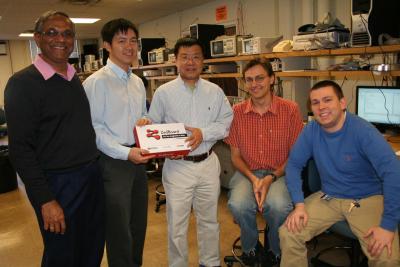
[153, 133]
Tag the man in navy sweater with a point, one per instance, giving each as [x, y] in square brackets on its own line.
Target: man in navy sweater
[360, 178]
[53, 148]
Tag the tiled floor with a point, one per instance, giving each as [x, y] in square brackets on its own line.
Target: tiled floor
[21, 244]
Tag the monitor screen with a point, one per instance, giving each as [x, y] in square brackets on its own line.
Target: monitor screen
[379, 104]
[361, 6]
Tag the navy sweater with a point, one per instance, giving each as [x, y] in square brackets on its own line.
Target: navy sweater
[49, 128]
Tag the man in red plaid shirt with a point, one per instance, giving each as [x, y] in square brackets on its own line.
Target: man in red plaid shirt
[263, 130]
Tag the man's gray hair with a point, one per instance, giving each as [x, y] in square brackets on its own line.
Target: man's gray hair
[45, 16]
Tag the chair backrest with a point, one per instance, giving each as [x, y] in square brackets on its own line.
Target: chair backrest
[2, 116]
[312, 179]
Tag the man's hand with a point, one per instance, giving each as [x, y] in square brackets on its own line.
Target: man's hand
[297, 219]
[53, 217]
[195, 139]
[143, 121]
[176, 157]
[261, 188]
[379, 238]
[136, 155]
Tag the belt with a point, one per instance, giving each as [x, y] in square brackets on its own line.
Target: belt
[198, 158]
[134, 145]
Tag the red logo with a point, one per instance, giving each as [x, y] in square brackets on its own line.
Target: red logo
[153, 133]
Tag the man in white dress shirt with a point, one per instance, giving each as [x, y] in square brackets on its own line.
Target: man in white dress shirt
[117, 101]
[192, 180]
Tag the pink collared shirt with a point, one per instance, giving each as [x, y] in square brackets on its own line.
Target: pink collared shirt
[48, 71]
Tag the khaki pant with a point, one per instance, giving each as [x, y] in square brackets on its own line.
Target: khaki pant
[322, 214]
[188, 184]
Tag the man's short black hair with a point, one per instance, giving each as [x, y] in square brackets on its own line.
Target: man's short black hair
[329, 83]
[325, 83]
[187, 42]
[111, 28]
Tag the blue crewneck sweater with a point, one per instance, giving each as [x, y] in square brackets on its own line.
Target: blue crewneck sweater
[354, 162]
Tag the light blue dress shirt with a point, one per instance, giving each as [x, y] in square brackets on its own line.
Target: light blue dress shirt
[117, 100]
[206, 107]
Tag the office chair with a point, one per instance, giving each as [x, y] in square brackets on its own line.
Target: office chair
[312, 184]
[160, 197]
[237, 250]
[154, 169]
[8, 176]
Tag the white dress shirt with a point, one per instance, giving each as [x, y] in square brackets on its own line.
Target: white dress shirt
[117, 100]
[205, 107]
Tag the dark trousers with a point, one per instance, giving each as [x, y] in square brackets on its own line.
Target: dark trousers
[80, 193]
[125, 186]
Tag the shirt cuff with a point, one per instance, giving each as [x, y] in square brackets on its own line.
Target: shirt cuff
[388, 224]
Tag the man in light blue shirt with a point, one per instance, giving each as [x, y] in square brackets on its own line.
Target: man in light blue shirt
[192, 180]
[117, 101]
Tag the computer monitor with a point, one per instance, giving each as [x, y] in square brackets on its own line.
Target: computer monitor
[379, 105]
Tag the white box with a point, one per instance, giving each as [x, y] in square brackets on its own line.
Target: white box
[162, 140]
[314, 41]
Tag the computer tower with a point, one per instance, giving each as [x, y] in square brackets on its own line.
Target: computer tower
[370, 18]
[145, 46]
[205, 33]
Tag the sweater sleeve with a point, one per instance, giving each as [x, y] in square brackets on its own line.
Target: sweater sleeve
[299, 155]
[387, 167]
[23, 118]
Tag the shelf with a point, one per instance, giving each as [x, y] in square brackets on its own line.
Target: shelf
[296, 73]
[221, 75]
[205, 76]
[354, 73]
[309, 53]
[154, 66]
[365, 50]
[300, 73]
[162, 78]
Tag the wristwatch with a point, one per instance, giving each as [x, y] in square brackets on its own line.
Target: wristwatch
[274, 177]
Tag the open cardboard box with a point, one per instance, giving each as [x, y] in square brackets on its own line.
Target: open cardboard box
[162, 140]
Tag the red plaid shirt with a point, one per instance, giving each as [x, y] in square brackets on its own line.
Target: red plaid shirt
[264, 140]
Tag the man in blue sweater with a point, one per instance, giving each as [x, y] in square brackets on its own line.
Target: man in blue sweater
[360, 178]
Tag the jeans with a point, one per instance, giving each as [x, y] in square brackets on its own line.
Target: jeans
[243, 206]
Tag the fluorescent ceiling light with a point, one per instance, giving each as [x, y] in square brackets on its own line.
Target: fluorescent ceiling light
[84, 20]
[26, 34]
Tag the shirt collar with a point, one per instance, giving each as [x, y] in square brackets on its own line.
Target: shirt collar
[48, 71]
[122, 74]
[273, 108]
[182, 82]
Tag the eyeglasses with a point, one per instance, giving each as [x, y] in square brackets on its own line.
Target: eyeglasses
[258, 79]
[52, 33]
[187, 58]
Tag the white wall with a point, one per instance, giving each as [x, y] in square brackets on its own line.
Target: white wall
[260, 17]
[17, 58]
